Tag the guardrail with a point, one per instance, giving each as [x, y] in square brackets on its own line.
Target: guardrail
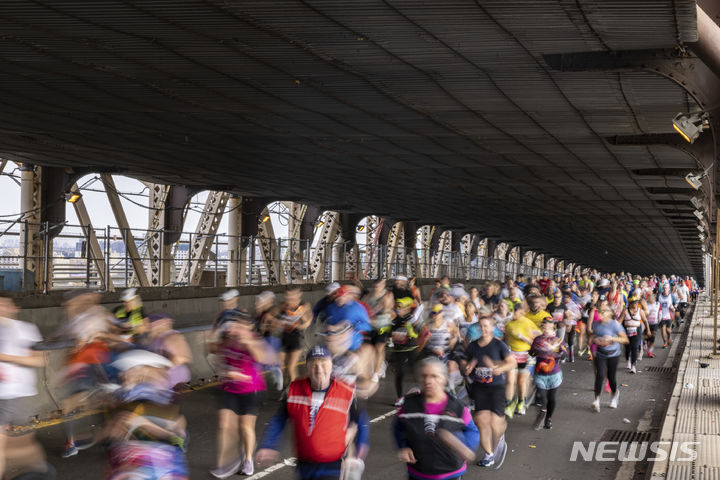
[71, 263]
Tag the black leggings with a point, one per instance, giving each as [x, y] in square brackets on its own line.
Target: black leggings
[605, 367]
[632, 348]
[402, 361]
[570, 338]
[548, 396]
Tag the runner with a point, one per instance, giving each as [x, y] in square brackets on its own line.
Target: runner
[537, 312]
[634, 320]
[558, 310]
[293, 319]
[608, 334]
[434, 432]
[324, 414]
[519, 335]
[243, 386]
[683, 296]
[17, 373]
[130, 315]
[381, 303]
[489, 360]
[403, 343]
[667, 312]
[548, 349]
[228, 307]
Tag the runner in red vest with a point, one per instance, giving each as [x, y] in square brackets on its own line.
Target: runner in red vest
[321, 409]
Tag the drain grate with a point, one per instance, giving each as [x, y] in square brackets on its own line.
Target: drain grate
[625, 436]
[663, 370]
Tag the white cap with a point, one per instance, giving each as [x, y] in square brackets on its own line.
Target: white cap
[604, 282]
[139, 357]
[401, 278]
[267, 295]
[128, 294]
[332, 287]
[229, 295]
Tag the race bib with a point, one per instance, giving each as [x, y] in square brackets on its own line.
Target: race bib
[632, 331]
[484, 374]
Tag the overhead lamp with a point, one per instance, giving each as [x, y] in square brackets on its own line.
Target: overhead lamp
[73, 196]
[695, 179]
[701, 228]
[699, 214]
[360, 228]
[697, 203]
[320, 224]
[701, 237]
[690, 125]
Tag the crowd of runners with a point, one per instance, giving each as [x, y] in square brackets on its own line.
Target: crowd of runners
[464, 362]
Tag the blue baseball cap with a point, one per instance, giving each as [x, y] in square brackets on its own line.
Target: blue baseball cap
[318, 351]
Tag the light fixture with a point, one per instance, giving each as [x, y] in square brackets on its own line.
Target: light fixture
[701, 236]
[701, 228]
[697, 203]
[73, 196]
[265, 219]
[694, 179]
[689, 125]
[320, 224]
[699, 214]
[360, 228]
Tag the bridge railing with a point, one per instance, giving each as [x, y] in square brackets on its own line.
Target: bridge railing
[82, 257]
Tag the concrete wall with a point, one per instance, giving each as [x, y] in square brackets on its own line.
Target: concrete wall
[190, 306]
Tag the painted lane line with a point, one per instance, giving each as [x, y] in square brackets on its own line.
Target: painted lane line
[290, 462]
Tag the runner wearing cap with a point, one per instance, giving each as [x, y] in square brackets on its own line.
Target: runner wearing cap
[347, 308]
[403, 342]
[667, 311]
[228, 307]
[400, 288]
[319, 308]
[130, 315]
[323, 413]
[519, 335]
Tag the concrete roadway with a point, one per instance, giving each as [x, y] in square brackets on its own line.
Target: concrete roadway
[532, 454]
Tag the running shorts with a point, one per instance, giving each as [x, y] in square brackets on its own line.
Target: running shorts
[242, 403]
[291, 340]
[490, 398]
[665, 323]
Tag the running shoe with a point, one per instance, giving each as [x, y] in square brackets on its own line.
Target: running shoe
[487, 461]
[383, 369]
[548, 424]
[70, 450]
[500, 452]
[521, 408]
[629, 365]
[596, 405]
[633, 370]
[539, 420]
[510, 409]
[228, 470]
[248, 467]
[614, 401]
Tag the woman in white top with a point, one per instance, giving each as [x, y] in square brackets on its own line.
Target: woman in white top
[652, 309]
[633, 320]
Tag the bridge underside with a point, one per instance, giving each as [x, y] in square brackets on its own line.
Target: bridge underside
[463, 114]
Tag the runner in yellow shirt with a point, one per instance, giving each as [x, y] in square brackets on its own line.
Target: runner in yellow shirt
[519, 335]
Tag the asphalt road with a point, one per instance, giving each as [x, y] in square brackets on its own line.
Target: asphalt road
[532, 454]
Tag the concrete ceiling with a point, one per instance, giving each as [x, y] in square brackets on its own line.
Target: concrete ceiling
[442, 112]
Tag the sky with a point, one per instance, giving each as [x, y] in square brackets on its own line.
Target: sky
[98, 206]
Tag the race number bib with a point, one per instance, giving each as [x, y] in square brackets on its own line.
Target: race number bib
[484, 374]
[631, 331]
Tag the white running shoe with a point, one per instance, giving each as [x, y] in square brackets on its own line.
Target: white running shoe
[596, 405]
[614, 401]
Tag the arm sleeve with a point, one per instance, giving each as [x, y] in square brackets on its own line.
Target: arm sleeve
[362, 438]
[399, 433]
[470, 434]
[273, 433]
